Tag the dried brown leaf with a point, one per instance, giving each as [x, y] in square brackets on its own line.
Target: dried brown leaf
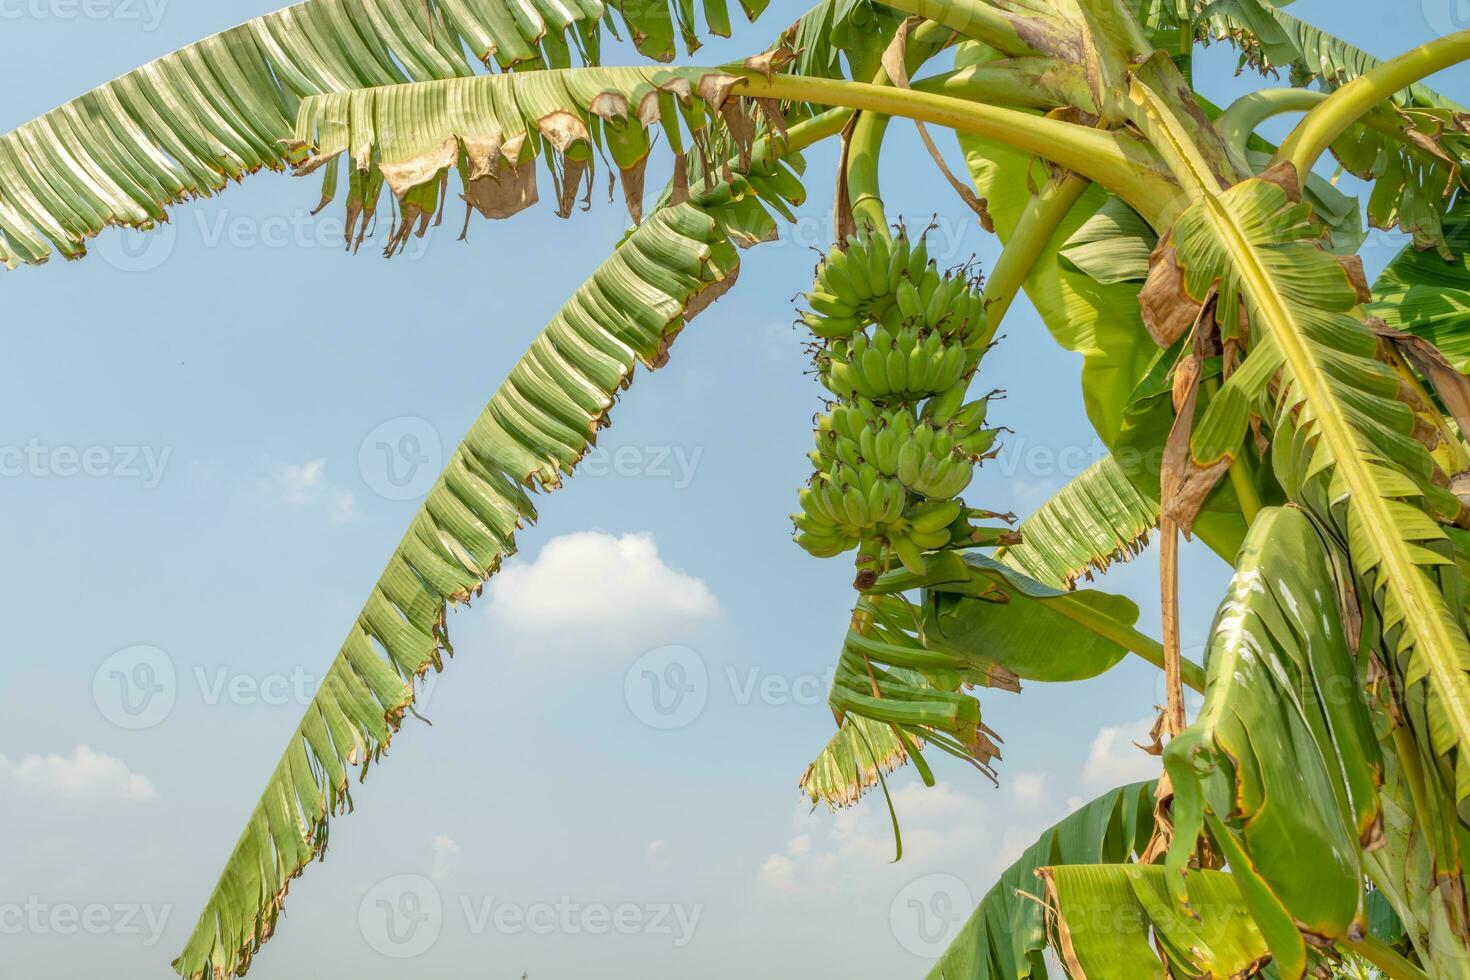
[1168, 309]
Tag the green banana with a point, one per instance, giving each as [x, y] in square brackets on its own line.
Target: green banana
[828, 327]
[943, 407]
[829, 305]
[910, 461]
[825, 546]
[897, 370]
[893, 502]
[918, 367]
[875, 370]
[978, 443]
[970, 417]
[935, 515]
[856, 506]
[918, 260]
[857, 272]
[877, 500]
[885, 451]
[930, 541]
[878, 255]
[908, 553]
[834, 277]
[898, 261]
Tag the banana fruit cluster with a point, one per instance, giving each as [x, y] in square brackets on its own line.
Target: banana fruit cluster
[901, 343]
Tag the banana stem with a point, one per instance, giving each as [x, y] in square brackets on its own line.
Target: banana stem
[1324, 124]
[798, 137]
[1246, 114]
[1384, 959]
[1126, 637]
[1119, 162]
[863, 152]
[1044, 214]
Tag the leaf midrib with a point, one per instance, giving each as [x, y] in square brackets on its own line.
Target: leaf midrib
[1432, 638]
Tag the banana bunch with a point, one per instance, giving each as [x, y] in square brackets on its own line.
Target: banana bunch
[872, 278]
[908, 364]
[901, 342]
[926, 527]
[843, 506]
[948, 303]
[856, 286]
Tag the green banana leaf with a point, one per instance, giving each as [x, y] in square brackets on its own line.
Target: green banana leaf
[1422, 294]
[190, 122]
[540, 422]
[1005, 935]
[1032, 630]
[1118, 920]
[1343, 445]
[1096, 519]
[1411, 183]
[1281, 766]
[981, 624]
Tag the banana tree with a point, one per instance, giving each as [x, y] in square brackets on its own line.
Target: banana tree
[1251, 386]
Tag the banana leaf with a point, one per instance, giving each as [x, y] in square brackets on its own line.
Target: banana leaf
[1096, 519]
[542, 420]
[1032, 630]
[1422, 294]
[190, 122]
[1118, 920]
[1006, 934]
[1281, 766]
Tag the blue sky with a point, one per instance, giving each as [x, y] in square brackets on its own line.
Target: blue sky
[192, 430]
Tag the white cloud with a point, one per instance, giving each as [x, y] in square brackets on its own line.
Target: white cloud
[1027, 787]
[84, 775]
[446, 856]
[306, 485]
[595, 588]
[851, 852]
[1115, 759]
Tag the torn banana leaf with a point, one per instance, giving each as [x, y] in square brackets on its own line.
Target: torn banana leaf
[1270, 39]
[894, 673]
[491, 128]
[1344, 445]
[1413, 151]
[980, 624]
[1005, 935]
[1096, 519]
[850, 763]
[1281, 767]
[540, 422]
[187, 124]
[1117, 920]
